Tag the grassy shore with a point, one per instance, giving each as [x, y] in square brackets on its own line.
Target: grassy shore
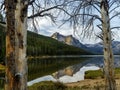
[2, 67]
[2, 70]
[87, 84]
[94, 80]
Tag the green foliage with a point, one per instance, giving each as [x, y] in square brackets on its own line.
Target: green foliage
[2, 75]
[48, 86]
[41, 45]
[2, 44]
[117, 70]
[99, 74]
[38, 45]
[1, 18]
[93, 74]
[117, 73]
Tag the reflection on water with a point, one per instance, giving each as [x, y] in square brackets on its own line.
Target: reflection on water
[75, 72]
[44, 66]
[2, 75]
[78, 76]
[38, 67]
[1, 84]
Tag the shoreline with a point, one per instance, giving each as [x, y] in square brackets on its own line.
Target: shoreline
[78, 76]
[91, 83]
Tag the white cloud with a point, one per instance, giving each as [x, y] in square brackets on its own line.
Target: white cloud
[47, 28]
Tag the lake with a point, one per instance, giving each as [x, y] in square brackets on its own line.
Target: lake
[39, 67]
[65, 68]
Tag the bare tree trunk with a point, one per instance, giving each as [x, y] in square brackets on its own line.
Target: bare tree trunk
[16, 62]
[108, 54]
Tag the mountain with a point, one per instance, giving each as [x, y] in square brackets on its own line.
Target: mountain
[70, 40]
[93, 48]
[44, 45]
[38, 45]
[98, 47]
[116, 47]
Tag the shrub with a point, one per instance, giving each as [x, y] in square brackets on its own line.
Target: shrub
[93, 74]
[48, 85]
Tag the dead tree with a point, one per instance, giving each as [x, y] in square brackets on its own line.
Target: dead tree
[87, 14]
[16, 33]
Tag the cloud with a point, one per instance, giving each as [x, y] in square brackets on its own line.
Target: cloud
[47, 28]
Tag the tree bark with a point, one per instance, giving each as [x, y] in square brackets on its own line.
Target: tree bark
[16, 33]
[108, 54]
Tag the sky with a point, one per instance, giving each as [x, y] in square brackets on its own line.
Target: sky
[47, 28]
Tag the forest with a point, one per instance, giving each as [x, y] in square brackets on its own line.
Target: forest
[39, 45]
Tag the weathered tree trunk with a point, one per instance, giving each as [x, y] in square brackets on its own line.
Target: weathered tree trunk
[16, 62]
[108, 54]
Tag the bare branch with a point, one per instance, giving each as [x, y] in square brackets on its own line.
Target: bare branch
[114, 9]
[99, 35]
[31, 2]
[115, 28]
[99, 27]
[45, 10]
[112, 3]
[114, 16]
[96, 8]
[92, 15]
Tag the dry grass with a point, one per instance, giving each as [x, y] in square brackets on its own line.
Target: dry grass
[95, 81]
[92, 84]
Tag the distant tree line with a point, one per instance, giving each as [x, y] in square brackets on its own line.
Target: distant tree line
[39, 45]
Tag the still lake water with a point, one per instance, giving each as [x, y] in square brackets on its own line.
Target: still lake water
[38, 67]
[46, 66]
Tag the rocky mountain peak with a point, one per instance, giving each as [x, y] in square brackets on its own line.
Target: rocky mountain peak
[55, 35]
[96, 48]
[69, 39]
